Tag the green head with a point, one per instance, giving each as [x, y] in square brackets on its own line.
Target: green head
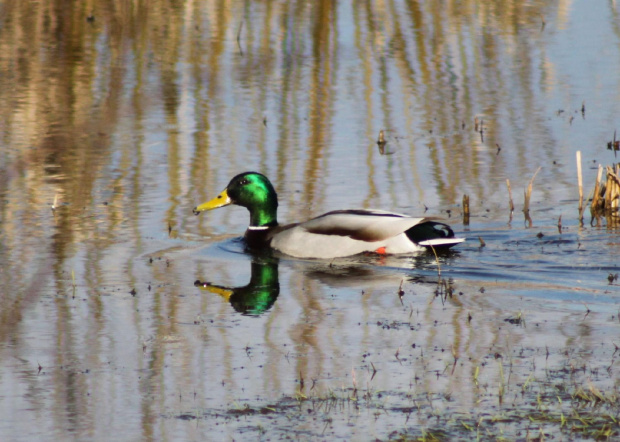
[251, 190]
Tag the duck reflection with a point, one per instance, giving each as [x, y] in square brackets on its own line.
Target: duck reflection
[260, 294]
[257, 296]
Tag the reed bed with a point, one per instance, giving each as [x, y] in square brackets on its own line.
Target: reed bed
[606, 197]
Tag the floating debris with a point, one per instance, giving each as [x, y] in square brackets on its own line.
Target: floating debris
[516, 320]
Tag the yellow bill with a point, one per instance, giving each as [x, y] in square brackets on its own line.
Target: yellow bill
[219, 201]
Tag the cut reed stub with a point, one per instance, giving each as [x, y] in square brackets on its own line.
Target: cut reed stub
[527, 193]
[381, 143]
[466, 210]
[381, 139]
[512, 205]
[580, 183]
[596, 205]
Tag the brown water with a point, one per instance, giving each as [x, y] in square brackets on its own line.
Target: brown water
[116, 118]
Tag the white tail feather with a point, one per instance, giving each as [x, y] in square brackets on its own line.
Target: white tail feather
[441, 242]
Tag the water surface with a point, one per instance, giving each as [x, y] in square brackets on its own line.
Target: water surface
[117, 119]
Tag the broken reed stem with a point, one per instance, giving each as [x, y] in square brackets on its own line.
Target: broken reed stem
[381, 142]
[381, 139]
[528, 193]
[580, 181]
[596, 204]
[608, 190]
[466, 210]
[607, 193]
[437, 260]
[526, 203]
[612, 193]
[512, 205]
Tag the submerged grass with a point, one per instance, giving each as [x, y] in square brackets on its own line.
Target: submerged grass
[542, 407]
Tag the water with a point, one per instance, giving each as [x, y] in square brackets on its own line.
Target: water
[113, 127]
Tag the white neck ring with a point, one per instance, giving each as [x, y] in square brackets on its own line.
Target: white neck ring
[258, 227]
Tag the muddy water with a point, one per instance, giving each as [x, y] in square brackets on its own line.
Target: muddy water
[117, 119]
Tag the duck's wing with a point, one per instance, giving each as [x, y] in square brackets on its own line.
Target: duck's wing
[347, 233]
[361, 225]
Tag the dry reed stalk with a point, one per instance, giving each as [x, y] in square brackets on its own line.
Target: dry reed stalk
[617, 179]
[466, 210]
[612, 192]
[608, 190]
[606, 197]
[580, 181]
[381, 139]
[381, 142]
[596, 203]
[528, 193]
[437, 261]
[512, 206]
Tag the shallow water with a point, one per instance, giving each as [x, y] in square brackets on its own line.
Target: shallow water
[116, 120]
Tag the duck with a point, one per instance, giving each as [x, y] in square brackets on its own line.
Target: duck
[336, 234]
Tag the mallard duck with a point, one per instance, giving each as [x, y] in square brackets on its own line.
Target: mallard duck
[332, 235]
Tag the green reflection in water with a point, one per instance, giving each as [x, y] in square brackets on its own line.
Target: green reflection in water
[257, 296]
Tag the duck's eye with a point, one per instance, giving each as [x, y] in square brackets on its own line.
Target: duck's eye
[244, 181]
